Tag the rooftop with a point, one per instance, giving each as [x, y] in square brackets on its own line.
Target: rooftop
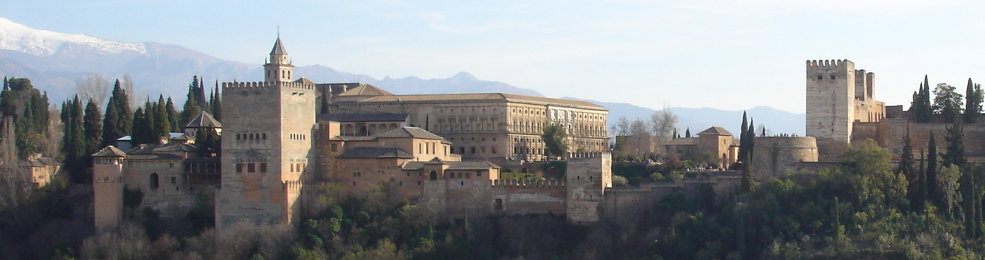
[203, 119]
[364, 117]
[375, 153]
[479, 97]
[715, 130]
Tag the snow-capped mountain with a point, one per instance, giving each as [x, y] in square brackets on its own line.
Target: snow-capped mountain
[18, 37]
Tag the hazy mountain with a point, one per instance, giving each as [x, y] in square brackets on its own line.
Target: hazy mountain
[54, 61]
[698, 119]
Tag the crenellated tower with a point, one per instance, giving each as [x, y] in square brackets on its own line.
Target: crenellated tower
[830, 99]
[266, 145]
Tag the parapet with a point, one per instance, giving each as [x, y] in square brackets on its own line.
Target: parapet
[527, 183]
[267, 84]
[828, 64]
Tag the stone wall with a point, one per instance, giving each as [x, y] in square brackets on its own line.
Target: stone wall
[628, 204]
[896, 129]
[107, 188]
[775, 156]
[587, 179]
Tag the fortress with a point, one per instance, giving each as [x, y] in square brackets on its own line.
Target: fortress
[283, 138]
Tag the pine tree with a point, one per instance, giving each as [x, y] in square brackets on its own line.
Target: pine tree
[93, 127]
[932, 189]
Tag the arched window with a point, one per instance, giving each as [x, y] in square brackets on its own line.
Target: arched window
[153, 181]
[434, 175]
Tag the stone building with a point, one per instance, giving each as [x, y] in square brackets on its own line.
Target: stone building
[838, 97]
[714, 142]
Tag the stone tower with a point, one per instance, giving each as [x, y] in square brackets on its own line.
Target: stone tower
[830, 99]
[266, 145]
[107, 187]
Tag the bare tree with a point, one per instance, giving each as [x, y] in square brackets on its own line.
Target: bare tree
[127, 83]
[621, 128]
[53, 140]
[663, 123]
[93, 87]
[15, 185]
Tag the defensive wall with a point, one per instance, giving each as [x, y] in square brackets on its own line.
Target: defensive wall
[775, 156]
[625, 205]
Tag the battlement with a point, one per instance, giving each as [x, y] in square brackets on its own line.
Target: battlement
[828, 64]
[268, 84]
[293, 185]
[527, 183]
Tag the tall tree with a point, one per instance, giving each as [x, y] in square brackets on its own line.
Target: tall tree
[663, 123]
[118, 121]
[216, 103]
[93, 127]
[948, 103]
[743, 141]
[191, 107]
[173, 115]
[973, 102]
[933, 193]
[73, 144]
[554, 138]
[906, 168]
[162, 126]
[954, 153]
[141, 132]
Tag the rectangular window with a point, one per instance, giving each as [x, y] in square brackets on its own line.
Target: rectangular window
[239, 167]
[263, 167]
[252, 167]
[335, 147]
[174, 180]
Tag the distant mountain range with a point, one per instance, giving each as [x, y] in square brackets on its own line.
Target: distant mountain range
[54, 61]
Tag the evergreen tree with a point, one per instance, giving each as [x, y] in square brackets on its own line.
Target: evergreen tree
[687, 133]
[751, 134]
[933, 193]
[954, 154]
[923, 185]
[93, 127]
[217, 103]
[141, 128]
[162, 125]
[906, 168]
[118, 121]
[73, 140]
[176, 127]
[191, 109]
[973, 102]
[743, 141]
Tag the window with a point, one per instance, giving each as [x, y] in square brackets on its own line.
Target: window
[263, 167]
[239, 167]
[832, 76]
[153, 181]
[251, 167]
[174, 180]
[819, 77]
[478, 174]
[434, 175]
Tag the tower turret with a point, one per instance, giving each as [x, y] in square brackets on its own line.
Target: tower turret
[279, 68]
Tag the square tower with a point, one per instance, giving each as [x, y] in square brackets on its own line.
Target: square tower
[830, 99]
[266, 146]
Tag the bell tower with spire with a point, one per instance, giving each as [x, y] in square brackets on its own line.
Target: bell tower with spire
[279, 68]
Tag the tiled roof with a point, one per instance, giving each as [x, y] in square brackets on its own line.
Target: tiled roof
[481, 97]
[472, 165]
[161, 151]
[364, 117]
[353, 138]
[109, 151]
[409, 131]
[715, 130]
[366, 90]
[278, 48]
[203, 119]
[374, 153]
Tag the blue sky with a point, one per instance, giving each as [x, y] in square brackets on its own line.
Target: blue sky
[689, 53]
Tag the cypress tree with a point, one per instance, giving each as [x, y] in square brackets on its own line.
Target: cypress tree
[687, 133]
[173, 117]
[191, 107]
[932, 192]
[954, 154]
[751, 134]
[162, 125]
[973, 102]
[906, 168]
[217, 103]
[927, 110]
[140, 128]
[743, 141]
[93, 127]
[73, 141]
[118, 120]
[923, 184]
